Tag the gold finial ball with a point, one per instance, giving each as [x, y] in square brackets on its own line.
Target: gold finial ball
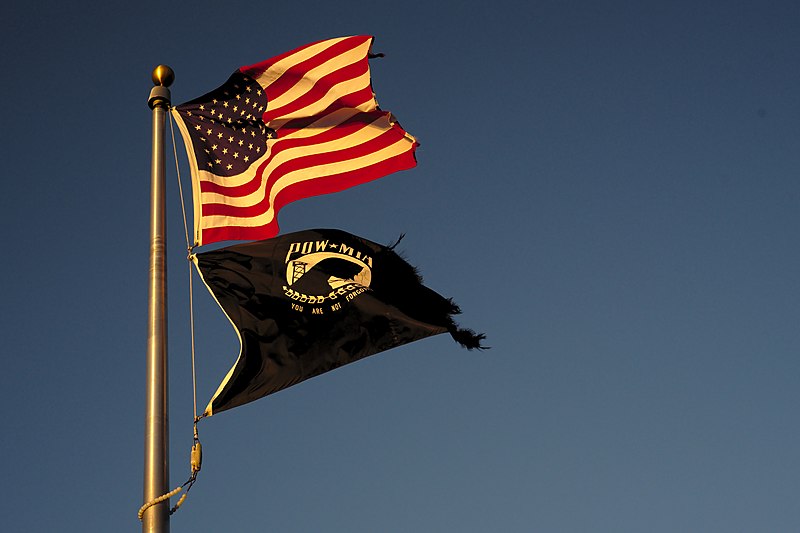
[163, 76]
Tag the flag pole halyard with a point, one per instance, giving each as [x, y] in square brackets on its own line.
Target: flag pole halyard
[156, 435]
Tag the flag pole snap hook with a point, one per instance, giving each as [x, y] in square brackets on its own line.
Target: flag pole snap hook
[196, 462]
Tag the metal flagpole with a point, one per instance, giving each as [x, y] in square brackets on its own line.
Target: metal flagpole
[156, 431]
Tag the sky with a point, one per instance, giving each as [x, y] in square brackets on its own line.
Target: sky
[609, 190]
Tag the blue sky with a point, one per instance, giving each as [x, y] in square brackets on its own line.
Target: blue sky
[608, 189]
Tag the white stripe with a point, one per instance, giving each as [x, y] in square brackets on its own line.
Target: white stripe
[278, 69]
[305, 174]
[361, 136]
[311, 77]
[316, 107]
[323, 122]
[318, 127]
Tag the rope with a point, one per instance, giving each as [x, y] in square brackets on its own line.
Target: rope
[196, 463]
[176, 490]
[191, 335]
[158, 500]
[190, 248]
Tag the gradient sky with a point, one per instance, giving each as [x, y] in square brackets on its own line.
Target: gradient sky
[608, 189]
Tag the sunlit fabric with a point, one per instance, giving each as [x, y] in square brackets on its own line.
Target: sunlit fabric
[300, 124]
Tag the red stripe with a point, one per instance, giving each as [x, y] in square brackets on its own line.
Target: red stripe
[240, 233]
[345, 180]
[321, 184]
[287, 80]
[320, 90]
[334, 183]
[325, 179]
[387, 138]
[351, 126]
[354, 99]
[258, 69]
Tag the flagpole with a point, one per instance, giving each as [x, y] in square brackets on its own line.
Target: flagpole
[156, 433]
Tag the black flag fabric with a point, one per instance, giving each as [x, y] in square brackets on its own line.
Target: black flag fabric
[308, 302]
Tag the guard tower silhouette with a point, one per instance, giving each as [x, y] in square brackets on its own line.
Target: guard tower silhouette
[298, 270]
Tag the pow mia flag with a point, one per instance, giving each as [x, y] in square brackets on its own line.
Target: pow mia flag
[308, 302]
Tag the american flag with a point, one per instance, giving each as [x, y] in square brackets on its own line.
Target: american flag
[297, 125]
